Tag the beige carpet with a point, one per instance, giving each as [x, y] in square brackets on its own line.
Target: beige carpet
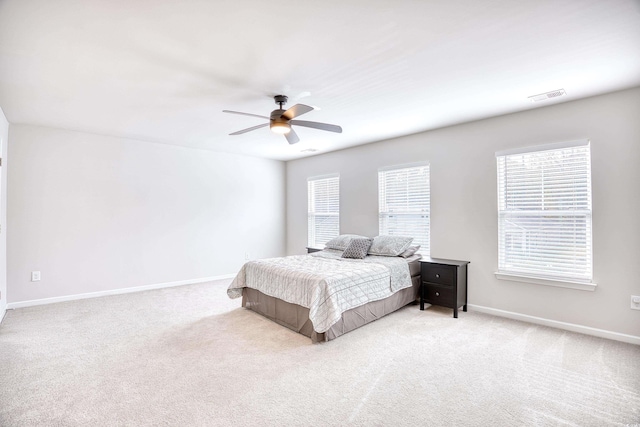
[189, 356]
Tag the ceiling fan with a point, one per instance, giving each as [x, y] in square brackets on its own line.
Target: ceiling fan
[281, 120]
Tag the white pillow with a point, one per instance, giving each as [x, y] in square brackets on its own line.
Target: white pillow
[342, 241]
[390, 245]
[410, 251]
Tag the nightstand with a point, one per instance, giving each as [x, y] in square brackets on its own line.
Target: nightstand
[444, 283]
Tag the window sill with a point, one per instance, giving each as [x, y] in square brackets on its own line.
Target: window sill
[547, 282]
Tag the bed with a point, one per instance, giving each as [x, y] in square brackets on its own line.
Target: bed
[324, 295]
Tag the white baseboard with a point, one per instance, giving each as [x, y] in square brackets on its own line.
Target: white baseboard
[43, 301]
[631, 339]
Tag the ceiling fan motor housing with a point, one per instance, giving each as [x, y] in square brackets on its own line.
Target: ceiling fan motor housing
[277, 117]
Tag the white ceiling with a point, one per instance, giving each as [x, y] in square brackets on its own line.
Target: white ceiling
[163, 71]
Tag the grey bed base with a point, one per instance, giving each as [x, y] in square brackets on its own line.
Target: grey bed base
[296, 317]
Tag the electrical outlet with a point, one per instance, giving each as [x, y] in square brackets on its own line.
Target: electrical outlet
[247, 256]
[635, 302]
[35, 276]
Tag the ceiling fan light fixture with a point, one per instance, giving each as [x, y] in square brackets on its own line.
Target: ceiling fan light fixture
[280, 128]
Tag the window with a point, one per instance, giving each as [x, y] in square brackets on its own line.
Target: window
[323, 209]
[544, 212]
[403, 203]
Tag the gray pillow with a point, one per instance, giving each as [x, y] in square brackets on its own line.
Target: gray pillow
[410, 251]
[357, 248]
[342, 241]
[390, 245]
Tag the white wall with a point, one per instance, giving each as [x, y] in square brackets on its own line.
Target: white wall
[463, 202]
[4, 138]
[96, 213]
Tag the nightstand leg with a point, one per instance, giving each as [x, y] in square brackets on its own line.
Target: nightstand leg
[421, 304]
[464, 307]
[455, 312]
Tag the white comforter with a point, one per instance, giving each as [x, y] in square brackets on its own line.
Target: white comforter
[323, 282]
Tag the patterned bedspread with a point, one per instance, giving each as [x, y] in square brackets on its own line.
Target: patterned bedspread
[323, 282]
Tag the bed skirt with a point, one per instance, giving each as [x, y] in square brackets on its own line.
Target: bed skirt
[296, 317]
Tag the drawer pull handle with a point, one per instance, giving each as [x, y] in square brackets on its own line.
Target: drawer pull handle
[437, 276]
[437, 294]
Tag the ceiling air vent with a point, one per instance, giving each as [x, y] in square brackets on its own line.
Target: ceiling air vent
[544, 96]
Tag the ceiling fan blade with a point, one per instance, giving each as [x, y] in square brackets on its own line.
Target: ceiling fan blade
[240, 132]
[317, 125]
[296, 110]
[246, 114]
[292, 137]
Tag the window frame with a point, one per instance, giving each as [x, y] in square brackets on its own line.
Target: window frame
[313, 215]
[582, 282]
[423, 240]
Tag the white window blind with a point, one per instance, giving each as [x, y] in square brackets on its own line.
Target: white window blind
[323, 209]
[404, 203]
[544, 212]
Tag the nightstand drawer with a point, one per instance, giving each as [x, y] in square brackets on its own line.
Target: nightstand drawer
[439, 274]
[438, 295]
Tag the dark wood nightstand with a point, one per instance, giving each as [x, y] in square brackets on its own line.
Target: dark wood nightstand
[444, 283]
[312, 250]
